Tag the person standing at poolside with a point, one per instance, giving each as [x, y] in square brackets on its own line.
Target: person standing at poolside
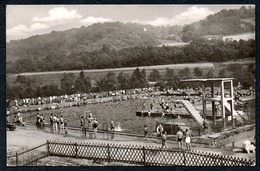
[90, 119]
[61, 123]
[38, 120]
[65, 126]
[41, 121]
[54, 118]
[164, 140]
[112, 127]
[58, 124]
[51, 122]
[145, 132]
[144, 106]
[188, 139]
[95, 127]
[206, 127]
[179, 138]
[16, 104]
[160, 129]
[81, 125]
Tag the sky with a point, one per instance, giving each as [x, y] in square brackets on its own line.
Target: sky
[23, 21]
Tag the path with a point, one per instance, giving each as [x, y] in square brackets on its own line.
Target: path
[26, 138]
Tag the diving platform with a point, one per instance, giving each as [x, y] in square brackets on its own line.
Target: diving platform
[224, 98]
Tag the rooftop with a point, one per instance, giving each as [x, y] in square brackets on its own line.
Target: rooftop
[207, 80]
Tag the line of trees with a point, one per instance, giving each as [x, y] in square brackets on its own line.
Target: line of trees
[199, 50]
[69, 84]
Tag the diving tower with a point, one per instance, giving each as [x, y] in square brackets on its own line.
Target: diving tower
[220, 91]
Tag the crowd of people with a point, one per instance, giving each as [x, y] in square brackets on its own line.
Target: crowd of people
[181, 137]
[58, 124]
[164, 105]
[97, 97]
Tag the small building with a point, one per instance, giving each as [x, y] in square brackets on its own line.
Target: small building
[171, 127]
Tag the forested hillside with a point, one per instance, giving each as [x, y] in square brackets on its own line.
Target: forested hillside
[115, 44]
[85, 39]
[224, 22]
[200, 50]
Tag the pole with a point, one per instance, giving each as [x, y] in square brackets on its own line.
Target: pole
[184, 158]
[48, 148]
[232, 102]
[108, 153]
[16, 156]
[222, 105]
[144, 157]
[203, 100]
[213, 105]
[76, 150]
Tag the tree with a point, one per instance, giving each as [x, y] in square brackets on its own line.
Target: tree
[108, 82]
[111, 81]
[51, 90]
[222, 73]
[185, 73]
[154, 76]
[88, 84]
[25, 81]
[21, 79]
[39, 92]
[198, 73]
[210, 74]
[67, 83]
[169, 76]
[82, 83]
[101, 85]
[123, 81]
[144, 82]
[135, 78]
[138, 79]
[171, 79]
[13, 92]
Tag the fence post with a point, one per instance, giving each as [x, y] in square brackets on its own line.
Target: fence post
[184, 158]
[144, 157]
[16, 156]
[108, 153]
[76, 150]
[48, 148]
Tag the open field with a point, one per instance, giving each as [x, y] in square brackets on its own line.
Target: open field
[165, 42]
[245, 36]
[46, 78]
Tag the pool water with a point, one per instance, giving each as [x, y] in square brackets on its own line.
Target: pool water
[123, 113]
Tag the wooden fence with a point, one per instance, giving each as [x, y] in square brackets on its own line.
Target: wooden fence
[28, 157]
[143, 155]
